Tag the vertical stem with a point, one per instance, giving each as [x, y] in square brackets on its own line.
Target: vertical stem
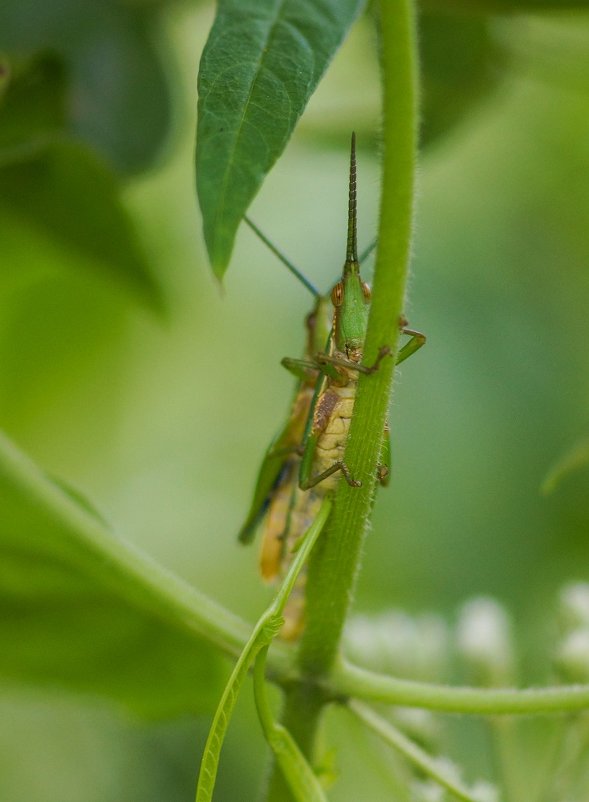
[334, 564]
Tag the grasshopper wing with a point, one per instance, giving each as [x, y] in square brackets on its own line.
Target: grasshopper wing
[277, 461]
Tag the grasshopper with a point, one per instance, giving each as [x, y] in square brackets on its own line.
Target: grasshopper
[339, 368]
[301, 463]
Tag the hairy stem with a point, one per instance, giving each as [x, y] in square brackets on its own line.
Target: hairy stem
[334, 564]
[348, 680]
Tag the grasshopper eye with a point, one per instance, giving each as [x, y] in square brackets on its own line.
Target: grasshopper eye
[366, 291]
[337, 294]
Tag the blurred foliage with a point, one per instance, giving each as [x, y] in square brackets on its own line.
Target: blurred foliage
[57, 189]
[460, 64]
[33, 105]
[73, 617]
[118, 97]
[49, 195]
[571, 461]
[163, 427]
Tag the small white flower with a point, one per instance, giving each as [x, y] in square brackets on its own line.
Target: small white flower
[485, 792]
[426, 791]
[448, 768]
[574, 605]
[398, 643]
[573, 655]
[483, 636]
[417, 723]
[362, 643]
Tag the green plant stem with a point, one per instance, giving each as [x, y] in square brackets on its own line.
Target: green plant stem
[350, 681]
[334, 565]
[411, 751]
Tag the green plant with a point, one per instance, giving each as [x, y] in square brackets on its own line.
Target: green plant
[87, 612]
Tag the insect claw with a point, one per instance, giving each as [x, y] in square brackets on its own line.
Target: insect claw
[383, 351]
[348, 476]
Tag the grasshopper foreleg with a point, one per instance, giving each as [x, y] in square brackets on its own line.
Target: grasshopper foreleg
[339, 360]
[383, 351]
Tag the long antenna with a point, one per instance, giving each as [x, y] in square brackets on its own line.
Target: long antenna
[352, 244]
[285, 261]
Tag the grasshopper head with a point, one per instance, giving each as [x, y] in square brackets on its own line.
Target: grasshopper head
[351, 299]
[351, 296]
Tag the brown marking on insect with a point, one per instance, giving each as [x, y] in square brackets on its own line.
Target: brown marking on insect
[354, 353]
[324, 409]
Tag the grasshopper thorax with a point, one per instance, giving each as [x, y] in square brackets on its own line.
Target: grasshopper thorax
[351, 296]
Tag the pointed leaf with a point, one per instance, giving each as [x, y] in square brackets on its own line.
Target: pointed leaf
[260, 66]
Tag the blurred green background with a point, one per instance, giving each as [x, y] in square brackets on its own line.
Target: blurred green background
[126, 370]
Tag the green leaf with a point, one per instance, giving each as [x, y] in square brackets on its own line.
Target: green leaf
[69, 196]
[118, 98]
[83, 611]
[262, 62]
